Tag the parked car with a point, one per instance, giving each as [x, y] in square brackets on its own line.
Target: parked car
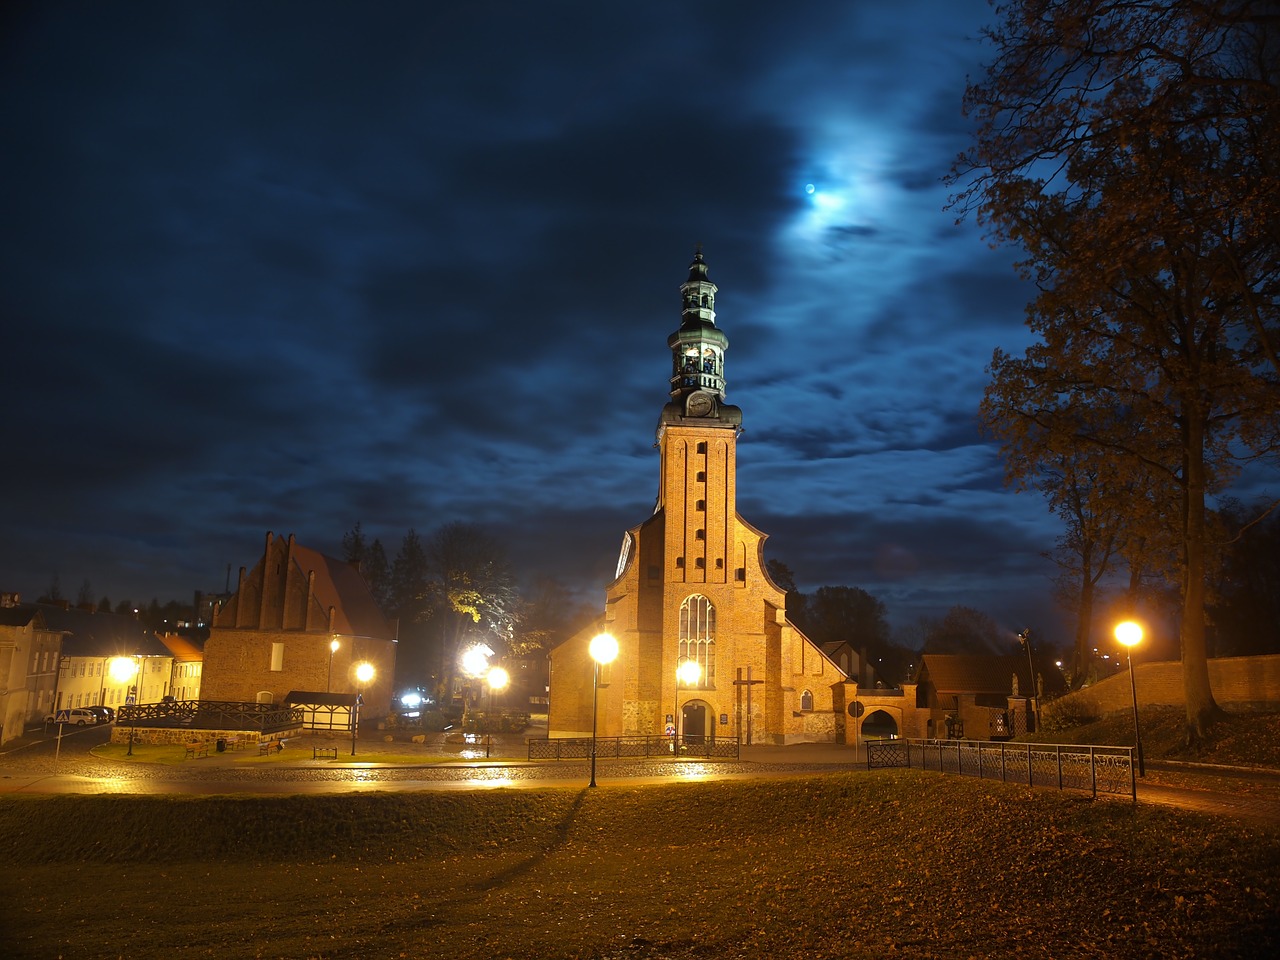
[104, 714]
[81, 718]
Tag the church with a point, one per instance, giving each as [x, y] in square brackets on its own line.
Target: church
[705, 649]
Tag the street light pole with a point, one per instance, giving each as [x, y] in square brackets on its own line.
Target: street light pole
[1130, 634]
[364, 673]
[1025, 639]
[497, 679]
[603, 649]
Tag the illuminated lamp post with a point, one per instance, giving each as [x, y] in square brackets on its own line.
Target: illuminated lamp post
[687, 672]
[497, 679]
[364, 673]
[124, 669]
[1130, 634]
[333, 648]
[603, 649]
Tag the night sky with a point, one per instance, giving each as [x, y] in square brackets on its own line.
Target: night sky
[290, 266]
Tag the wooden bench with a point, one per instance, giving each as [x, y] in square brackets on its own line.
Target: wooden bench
[195, 750]
[318, 752]
[265, 747]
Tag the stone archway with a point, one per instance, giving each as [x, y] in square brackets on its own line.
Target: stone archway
[879, 724]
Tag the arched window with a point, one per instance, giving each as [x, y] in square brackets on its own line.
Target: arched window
[698, 636]
[806, 700]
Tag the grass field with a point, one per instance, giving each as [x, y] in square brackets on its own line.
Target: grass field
[852, 865]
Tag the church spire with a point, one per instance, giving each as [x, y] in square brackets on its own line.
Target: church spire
[697, 353]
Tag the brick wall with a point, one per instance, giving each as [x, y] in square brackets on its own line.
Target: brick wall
[1236, 681]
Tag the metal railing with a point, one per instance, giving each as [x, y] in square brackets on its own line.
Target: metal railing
[1095, 769]
[579, 748]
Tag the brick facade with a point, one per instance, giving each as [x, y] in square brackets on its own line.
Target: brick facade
[273, 635]
[695, 558]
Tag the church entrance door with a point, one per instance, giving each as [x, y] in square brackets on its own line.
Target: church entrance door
[694, 722]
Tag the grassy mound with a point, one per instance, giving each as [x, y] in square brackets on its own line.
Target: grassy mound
[850, 865]
[1241, 739]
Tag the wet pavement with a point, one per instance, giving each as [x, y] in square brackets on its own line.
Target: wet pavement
[37, 764]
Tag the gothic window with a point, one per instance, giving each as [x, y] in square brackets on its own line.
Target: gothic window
[806, 700]
[698, 637]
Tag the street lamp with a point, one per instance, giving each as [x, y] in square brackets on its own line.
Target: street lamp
[124, 669]
[364, 673]
[1130, 634]
[333, 648]
[1033, 695]
[603, 649]
[687, 672]
[497, 679]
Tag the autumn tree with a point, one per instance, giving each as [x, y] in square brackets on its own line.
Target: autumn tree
[1130, 149]
[470, 591]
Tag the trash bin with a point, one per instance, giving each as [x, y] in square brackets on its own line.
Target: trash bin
[222, 745]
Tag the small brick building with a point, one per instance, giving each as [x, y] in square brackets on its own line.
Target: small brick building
[692, 586]
[277, 632]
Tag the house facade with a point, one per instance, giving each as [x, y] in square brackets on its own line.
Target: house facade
[299, 621]
[29, 652]
[692, 588]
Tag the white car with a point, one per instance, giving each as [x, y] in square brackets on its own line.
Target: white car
[81, 718]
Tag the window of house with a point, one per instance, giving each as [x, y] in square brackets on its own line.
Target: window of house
[699, 563]
[740, 573]
[702, 476]
[698, 636]
[679, 561]
[277, 656]
[700, 535]
[806, 700]
[700, 505]
[702, 446]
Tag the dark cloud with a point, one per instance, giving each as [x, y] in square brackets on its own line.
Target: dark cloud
[292, 266]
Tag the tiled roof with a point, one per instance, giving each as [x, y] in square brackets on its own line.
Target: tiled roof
[91, 634]
[973, 673]
[340, 585]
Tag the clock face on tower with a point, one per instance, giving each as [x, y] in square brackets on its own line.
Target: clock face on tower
[699, 405]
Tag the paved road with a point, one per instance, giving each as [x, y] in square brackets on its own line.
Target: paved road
[40, 764]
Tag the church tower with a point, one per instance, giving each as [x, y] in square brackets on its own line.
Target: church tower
[705, 649]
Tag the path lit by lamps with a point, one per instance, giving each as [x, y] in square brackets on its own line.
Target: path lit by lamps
[1130, 634]
[603, 649]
